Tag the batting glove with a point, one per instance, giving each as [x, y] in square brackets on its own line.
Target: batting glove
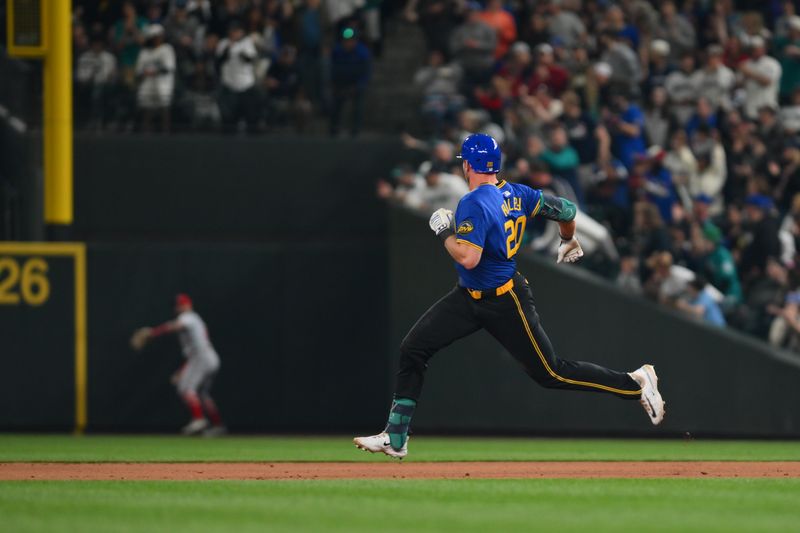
[569, 251]
[441, 223]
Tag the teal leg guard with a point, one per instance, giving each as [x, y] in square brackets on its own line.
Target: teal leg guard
[399, 420]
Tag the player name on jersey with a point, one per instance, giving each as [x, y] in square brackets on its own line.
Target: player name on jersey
[511, 204]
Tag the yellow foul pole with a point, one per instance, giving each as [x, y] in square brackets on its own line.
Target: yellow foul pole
[58, 114]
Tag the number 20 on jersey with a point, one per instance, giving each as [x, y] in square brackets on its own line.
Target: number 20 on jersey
[515, 230]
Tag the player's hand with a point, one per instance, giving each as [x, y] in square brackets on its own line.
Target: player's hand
[140, 338]
[569, 251]
[441, 223]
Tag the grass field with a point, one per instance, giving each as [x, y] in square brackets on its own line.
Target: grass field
[396, 505]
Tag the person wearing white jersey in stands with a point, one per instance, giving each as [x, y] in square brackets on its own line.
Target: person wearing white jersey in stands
[761, 76]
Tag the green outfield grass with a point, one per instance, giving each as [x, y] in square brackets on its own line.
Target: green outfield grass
[403, 506]
[421, 448]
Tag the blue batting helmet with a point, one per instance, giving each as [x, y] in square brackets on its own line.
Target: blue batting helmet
[482, 153]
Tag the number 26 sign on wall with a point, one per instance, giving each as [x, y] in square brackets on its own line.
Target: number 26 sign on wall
[43, 325]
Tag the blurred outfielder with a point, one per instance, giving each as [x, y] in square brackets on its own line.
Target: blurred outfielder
[195, 378]
[483, 237]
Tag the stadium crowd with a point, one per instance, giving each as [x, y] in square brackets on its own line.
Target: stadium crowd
[157, 65]
[674, 125]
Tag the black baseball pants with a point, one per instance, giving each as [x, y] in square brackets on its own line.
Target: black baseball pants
[510, 318]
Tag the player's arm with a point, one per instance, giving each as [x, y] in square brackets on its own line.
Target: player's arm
[466, 255]
[170, 326]
[463, 252]
[563, 212]
[143, 335]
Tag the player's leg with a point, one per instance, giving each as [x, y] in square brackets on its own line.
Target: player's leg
[513, 321]
[448, 320]
[209, 405]
[188, 386]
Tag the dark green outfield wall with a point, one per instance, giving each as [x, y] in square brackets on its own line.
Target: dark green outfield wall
[714, 382]
[208, 189]
[301, 331]
[283, 247]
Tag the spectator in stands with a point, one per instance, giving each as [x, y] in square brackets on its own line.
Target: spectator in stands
[784, 332]
[535, 30]
[667, 281]
[562, 160]
[155, 70]
[623, 62]
[614, 19]
[472, 45]
[762, 237]
[441, 189]
[199, 103]
[625, 122]
[657, 119]
[675, 29]
[783, 23]
[95, 76]
[547, 72]
[649, 234]
[715, 82]
[709, 179]
[126, 41]
[437, 18]
[718, 263]
[787, 51]
[655, 181]
[628, 277]
[287, 99]
[658, 68]
[680, 160]
[582, 130]
[704, 117]
[763, 295]
[769, 131]
[351, 68]
[700, 304]
[565, 25]
[503, 23]
[238, 100]
[682, 90]
[439, 84]
[790, 114]
[310, 40]
[787, 184]
[184, 32]
[761, 76]
[404, 179]
[540, 108]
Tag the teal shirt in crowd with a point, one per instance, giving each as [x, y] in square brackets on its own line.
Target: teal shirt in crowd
[564, 159]
[790, 78]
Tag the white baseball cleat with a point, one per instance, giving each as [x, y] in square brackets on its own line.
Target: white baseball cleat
[380, 443]
[195, 426]
[651, 399]
[215, 431]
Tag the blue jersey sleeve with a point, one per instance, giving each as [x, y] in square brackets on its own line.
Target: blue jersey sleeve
[471, 223]
[531, 199]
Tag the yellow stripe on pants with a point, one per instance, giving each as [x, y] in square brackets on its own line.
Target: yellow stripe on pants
[550, 370]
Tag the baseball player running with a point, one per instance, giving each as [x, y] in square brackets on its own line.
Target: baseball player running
[483, 237]
[194, 379]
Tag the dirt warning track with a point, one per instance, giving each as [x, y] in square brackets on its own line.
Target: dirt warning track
[394, 470]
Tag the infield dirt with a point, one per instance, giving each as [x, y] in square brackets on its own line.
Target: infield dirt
[395, 470]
